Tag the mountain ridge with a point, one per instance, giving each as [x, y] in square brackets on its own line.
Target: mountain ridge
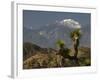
[47, 35]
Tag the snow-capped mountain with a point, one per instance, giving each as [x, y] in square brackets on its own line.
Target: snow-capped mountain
[70, 23]
[47, 35]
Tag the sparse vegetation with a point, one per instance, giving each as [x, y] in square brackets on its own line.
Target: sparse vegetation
[35, 56]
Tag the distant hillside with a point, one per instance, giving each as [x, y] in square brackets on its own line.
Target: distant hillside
[30, 49]
[46, 35]
[37, 57]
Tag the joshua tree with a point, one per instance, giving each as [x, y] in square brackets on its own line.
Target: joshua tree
[75, 36]
[60, 44]
[62, 50]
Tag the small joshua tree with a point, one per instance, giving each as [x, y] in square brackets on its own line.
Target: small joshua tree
[60, 44]
[62, 50]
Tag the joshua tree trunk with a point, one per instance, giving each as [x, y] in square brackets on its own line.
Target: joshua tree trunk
[76, 44]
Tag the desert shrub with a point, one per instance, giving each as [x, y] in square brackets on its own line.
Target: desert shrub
[84, 61]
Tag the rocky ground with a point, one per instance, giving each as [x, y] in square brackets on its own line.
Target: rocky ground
[37, 57]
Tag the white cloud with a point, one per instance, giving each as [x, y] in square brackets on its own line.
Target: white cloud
[70, 23]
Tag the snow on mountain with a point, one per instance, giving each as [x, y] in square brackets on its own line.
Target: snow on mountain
[70, 23]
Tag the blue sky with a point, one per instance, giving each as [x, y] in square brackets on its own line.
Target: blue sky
[36, 19]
